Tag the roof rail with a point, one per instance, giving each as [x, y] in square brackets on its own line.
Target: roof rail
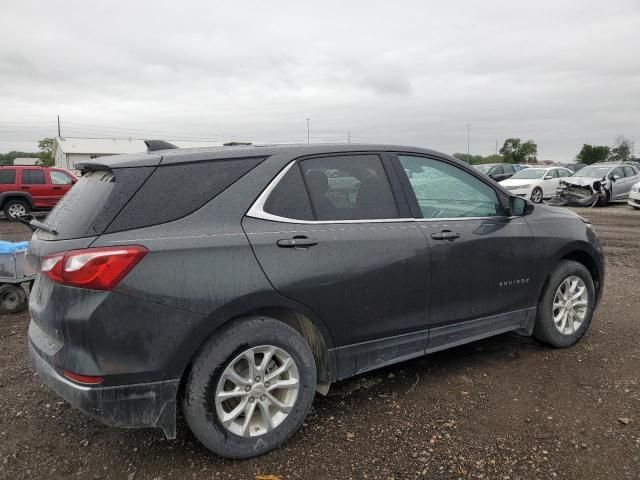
[237, 144]
[153, 145]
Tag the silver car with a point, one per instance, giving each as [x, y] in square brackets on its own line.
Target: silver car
[601, 182]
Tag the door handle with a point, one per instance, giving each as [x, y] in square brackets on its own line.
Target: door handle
[57, 188]
[445, 235]
[297, 242]
[25, 188]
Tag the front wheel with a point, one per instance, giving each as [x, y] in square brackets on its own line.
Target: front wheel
[566, 306]
[250, 388]
[536, 195]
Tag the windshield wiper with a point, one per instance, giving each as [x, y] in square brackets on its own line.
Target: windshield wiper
[31, 222]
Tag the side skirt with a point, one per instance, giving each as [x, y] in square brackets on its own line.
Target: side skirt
[366, 356]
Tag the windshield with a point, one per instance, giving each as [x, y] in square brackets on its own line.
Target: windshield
[592, 172]
[529, 173]
[483, 168]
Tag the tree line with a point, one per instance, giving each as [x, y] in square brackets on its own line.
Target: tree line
[515, 151]
[45, 154]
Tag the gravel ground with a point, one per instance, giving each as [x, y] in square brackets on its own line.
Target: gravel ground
[504, 408]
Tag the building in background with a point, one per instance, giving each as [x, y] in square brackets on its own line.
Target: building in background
[26, 161]
[69, 151]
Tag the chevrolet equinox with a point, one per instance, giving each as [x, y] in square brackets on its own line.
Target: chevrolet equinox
[235, 282]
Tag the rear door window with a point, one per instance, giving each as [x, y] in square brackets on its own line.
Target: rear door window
[629, 171]
[349, 187]
[289, 198]
[33, 177]
[7, 176]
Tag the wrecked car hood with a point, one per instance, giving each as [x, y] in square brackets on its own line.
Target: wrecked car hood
[580, 181]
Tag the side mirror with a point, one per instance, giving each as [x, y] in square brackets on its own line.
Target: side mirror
[520, 207]
[548, 177]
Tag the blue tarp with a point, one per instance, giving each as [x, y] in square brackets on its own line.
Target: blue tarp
[12, 247]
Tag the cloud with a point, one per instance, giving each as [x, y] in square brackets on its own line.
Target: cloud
[561, 73]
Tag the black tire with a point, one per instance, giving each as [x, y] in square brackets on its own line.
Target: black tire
[13, 298]
[534, 193]
[603, 201]
[199, 396]
[544, 328]
[15, 203]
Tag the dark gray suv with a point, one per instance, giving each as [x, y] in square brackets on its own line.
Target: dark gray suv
[236, 282]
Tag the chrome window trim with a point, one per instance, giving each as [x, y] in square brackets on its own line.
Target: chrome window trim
[257, 210]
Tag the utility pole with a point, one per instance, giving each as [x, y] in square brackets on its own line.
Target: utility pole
[468, 149]
[496, 147]
[59, 126]
[308, 131]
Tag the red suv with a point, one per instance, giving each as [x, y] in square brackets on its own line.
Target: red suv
[27, 188]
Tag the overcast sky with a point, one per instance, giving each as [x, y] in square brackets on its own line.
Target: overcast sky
[559, 72]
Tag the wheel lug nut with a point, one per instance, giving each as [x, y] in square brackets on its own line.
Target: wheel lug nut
[251, 399]
[263, 398]
[266, 384]
[257, 379]
[247, 388]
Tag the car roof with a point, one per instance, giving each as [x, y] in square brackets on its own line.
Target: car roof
[180, 155]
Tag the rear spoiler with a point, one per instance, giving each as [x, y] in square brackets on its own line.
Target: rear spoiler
[153, 145]
[147, 159]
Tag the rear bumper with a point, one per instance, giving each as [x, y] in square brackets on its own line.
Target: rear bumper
[133, 406]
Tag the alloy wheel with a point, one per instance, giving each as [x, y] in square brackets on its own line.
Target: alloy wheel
[17, 210]
[570, 305]
[257, 391]
[536, 196]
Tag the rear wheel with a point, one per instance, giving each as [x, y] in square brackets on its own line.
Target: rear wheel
[566, 306]
[13, 298]
[536, 195]
[250, 388]
[15, 208]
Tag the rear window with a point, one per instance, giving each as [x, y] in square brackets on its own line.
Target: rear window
[174, 191]
[7, 176]
[75, 213]
[135, 197]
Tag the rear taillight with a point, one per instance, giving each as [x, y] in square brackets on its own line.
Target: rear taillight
[95, 268]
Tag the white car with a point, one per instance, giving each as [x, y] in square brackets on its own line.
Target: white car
[536, 183]
[634, 196]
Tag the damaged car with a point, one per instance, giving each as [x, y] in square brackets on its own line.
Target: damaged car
[597, 184]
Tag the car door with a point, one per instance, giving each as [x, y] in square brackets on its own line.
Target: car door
[550, 182]
[482, 260]
[61, 182]
[334, 234]
[617, 183]
[34, 182]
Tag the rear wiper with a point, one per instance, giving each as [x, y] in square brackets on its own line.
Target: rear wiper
[31, 222]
